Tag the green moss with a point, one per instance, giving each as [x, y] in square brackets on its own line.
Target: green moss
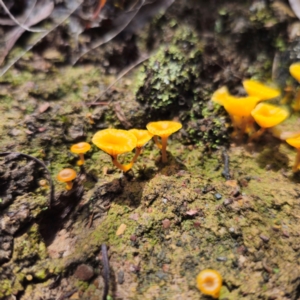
[170, 73]
[172, 87]
[40, 275]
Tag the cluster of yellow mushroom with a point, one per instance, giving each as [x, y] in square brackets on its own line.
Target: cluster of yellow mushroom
[245, 111]
[117, 141]
[68, 175]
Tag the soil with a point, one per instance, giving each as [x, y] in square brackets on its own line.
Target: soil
[219, 203]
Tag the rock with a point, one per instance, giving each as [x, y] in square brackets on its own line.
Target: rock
[218, 196]
[166, 223]
[84, 272]
[120, 277]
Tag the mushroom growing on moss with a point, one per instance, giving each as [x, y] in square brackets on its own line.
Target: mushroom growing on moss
[67, 175]
[80, 149]
[261, 91]
[143, 137]
[209, 282]
[220, 95]
[294, 141]
[163, 129]
[295, 70]
[239, 110]
[267, 116]
[115, 142]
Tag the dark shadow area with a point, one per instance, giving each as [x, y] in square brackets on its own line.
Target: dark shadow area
[52, 220]
[172, 167]
[272, 159]
[295, 177]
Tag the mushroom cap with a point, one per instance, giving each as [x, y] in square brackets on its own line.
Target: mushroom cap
[80, 148]
[66, 175]
[240, 106]
[163, 128]
[220, 95]
[268, 115]
[295, 70]
[143, 136]
[209, 282]
[294, 141]
[257, 89]
[115, 141]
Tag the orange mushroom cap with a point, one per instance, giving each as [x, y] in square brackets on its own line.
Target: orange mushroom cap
[295, 70]
[66, 175]
[80, 148]
[240, 106]
[268, 115]
[163, 128]
[294, 141]
[143, 136]
[220, 95]
[209, 282]
[115, 141]
[260, 90]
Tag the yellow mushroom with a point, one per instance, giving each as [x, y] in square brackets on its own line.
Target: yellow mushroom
[163, 129]
[266, 116]
[260, 90]
[220, 95]
[143, 137]
[80, 149]
[67, 175]
[115, 142]
[209, 282]
[294, 141]
[295, 70]
[239, 110]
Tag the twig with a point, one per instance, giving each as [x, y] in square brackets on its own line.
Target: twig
[42, 35]
[105, 271]
[67, 295]
[226, 172]
[16, 154]
[110, 35]
[122, 74]
[91, 220]
[16, 21]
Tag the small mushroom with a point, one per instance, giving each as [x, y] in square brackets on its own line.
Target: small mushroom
[143, 137]
[80, 149]
[220, 95]
[266, 116]
[295, 70]
[67, 175]
[257, 89]
[115, 142]
[209, 282]
[163, 129]
[294, 141]
[239, 110]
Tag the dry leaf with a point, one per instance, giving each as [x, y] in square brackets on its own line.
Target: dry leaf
[192, 212]
[121, 229]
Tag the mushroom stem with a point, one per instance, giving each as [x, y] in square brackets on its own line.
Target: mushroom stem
[164, 141]
[157, 143]
[257, 134]
[124, 168]
[297, 161]
[137, 153]
[80, 162]
[69, 185]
